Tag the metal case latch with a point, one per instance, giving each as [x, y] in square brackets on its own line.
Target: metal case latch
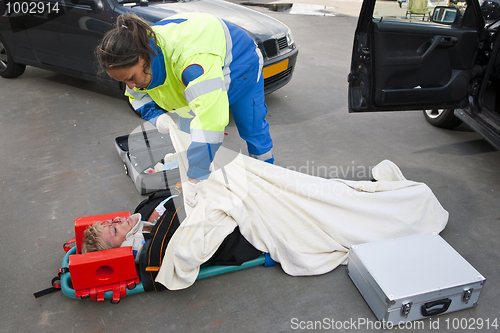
[405, 309]
[466, 295]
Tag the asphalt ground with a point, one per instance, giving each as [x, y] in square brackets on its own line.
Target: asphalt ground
[59, 162]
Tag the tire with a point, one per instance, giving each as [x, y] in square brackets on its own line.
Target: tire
[8, 68]
[443, 118]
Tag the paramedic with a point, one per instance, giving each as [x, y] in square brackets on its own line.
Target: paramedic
[197, 66]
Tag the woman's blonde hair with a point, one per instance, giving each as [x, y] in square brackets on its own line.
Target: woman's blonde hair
[92, 240]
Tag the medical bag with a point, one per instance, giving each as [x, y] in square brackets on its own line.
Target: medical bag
[140, 153]
[412, 278]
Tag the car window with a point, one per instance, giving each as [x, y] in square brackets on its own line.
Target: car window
[448, 12]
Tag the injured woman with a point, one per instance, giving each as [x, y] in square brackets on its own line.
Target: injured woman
[149, 238]
[305, 223]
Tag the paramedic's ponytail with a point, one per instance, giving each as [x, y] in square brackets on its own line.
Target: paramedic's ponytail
[122, 46]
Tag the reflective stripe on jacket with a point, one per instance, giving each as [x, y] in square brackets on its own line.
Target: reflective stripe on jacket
[198, 57]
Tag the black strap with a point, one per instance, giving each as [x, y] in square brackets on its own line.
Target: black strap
[56, 286]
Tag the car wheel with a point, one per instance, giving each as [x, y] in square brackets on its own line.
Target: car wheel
[8, 68]
[444, 118]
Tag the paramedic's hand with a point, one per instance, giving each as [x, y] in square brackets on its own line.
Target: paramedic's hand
[192, 191]
[162, 123]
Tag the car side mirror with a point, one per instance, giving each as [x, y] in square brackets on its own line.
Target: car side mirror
[96, 5]
[445, 15]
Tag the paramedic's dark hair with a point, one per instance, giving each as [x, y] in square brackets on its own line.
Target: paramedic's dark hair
[122, 46]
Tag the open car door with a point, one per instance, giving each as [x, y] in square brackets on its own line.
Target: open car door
[407, 59]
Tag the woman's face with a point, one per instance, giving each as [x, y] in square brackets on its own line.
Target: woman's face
[132, 76]
[114, 232]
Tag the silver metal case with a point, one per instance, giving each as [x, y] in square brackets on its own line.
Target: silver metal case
[142, 150]
[412, 278]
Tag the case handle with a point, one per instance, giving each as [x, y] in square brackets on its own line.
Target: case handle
[429, 308]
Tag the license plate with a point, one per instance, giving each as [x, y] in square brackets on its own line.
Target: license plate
[275, 69]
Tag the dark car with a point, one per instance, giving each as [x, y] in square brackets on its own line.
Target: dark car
[61, 35]
[448, 65]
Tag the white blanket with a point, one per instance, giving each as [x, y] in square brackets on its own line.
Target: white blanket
[305, 223]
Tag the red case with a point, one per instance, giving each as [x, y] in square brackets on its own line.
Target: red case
[102, 267]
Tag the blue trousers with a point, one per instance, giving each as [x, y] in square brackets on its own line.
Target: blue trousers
[249, 114]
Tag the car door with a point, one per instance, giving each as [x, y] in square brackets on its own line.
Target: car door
[66, 39]
[404, 59]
